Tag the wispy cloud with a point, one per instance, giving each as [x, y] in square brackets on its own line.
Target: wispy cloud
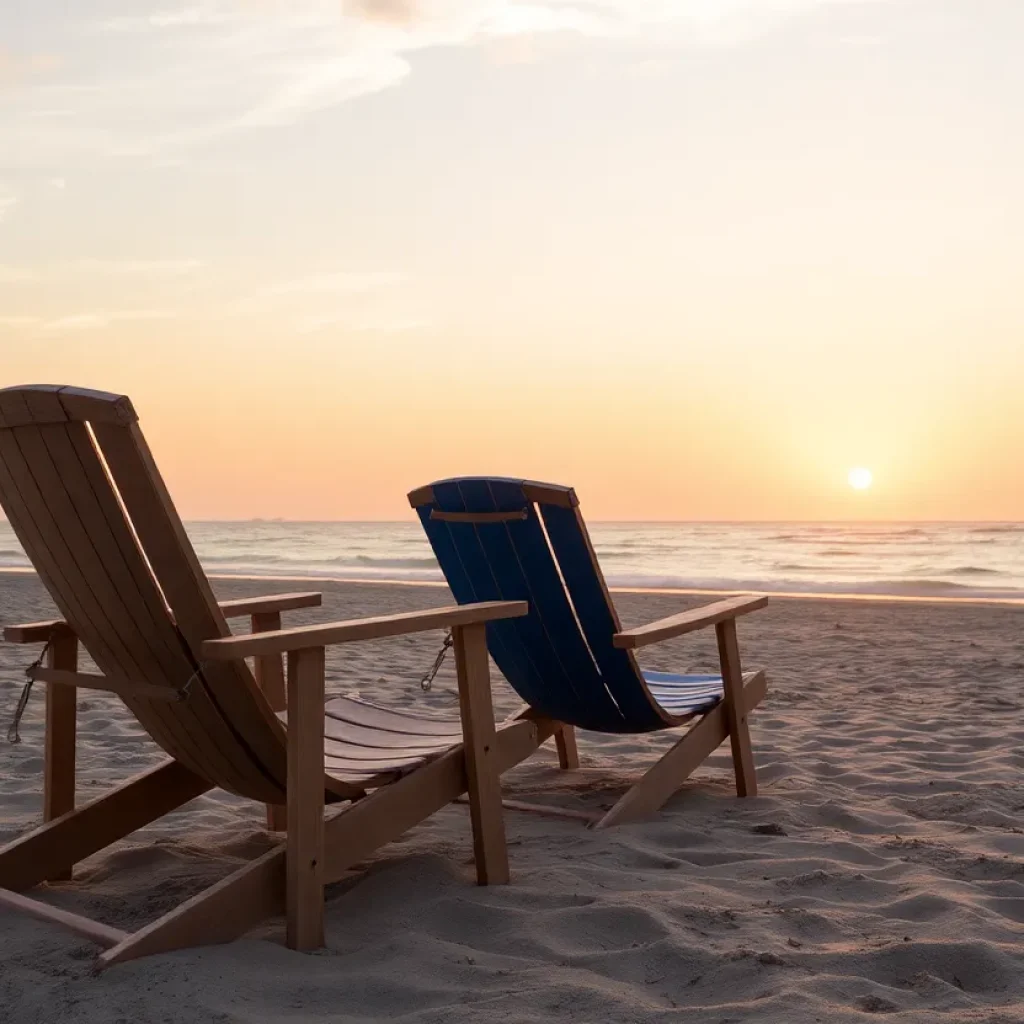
[18, 66]
[8, 200]
[370, 324]
[321, 287]
[15, 275]
[206, 69]
[141, 268]
[83, 321]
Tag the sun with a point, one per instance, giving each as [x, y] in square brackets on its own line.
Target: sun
[860, 478]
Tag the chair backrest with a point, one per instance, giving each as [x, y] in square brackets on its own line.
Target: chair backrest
[83, 495]
[502, 539]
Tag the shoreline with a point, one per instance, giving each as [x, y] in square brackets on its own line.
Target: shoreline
[789, 595]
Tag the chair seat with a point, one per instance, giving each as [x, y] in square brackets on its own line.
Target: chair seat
[684, 694]
[371, 745]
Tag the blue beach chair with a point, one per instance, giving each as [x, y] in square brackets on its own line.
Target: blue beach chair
[569, 658]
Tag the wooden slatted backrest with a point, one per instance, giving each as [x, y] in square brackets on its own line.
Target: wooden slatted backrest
[501, 539]
[84, 497]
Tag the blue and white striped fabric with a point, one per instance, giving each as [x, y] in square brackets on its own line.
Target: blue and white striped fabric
[684, 694]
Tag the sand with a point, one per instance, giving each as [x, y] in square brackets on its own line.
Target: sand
[879, 875]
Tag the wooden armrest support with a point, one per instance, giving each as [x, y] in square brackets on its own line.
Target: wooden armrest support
[109, 684]
[303, 637]
[688, 621]
[271, 603]
[37, 632]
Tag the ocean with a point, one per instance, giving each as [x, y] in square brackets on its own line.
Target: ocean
[934, 560]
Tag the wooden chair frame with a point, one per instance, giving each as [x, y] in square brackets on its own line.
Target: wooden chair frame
[728, 719]
[289, 878]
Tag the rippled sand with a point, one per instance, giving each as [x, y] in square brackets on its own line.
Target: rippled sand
[880, 873]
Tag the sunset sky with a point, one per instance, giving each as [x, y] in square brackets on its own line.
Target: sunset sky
[698, 258]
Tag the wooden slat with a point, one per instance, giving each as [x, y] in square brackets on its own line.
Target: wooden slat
[269, 667]
[221, 913]
[674, 768]
[305, 843]
[489, 849]
[269, 603]
[22, 406]
[345, 709]
[383, 755]
[37, 632]
[301, 637]
[47, 549]
[30, 515]
[106, 572]
[33, 516]
[384, 740]
[735, 709]
[124, 688]
[421, 496]
[688, 621]
[550, 494]
[619, 674]
[269, 672]
[97, 406]
[565, 742]
[59, 750]
[479, 517]
[59, 403]
[61, 843]
[96, 932]
[231, 687]
[194, 731]
[386, 814]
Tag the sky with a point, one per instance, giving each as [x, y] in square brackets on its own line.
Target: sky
[697, 258]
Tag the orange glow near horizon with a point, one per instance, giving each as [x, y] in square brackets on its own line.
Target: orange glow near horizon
[696, 262]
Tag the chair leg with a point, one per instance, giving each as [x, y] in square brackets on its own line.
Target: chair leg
[305, 841]
[673, 769]
[735, 709]
[478, 733]
[565, 741]
[59, 757]
[270, 679]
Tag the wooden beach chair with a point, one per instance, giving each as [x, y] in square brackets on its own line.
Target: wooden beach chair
[569, 658]
[85, 499]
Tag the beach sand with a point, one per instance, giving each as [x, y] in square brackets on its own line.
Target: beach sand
[879, 874]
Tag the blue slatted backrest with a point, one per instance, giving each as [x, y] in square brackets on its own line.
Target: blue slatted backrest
[559, 657]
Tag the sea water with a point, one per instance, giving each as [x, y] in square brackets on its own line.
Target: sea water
[948, 560]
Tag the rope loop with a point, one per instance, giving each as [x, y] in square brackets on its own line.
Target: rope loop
[14, 730]
[428, 680]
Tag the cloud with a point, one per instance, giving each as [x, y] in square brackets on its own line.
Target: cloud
[8, 200]
[85, 321]
[344, 284]
[15, 275]
[141, 268]
[16, 67]
[209, 69]
[370, 324]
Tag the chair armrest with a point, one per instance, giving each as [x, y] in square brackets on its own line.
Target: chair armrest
[687, 622]
[271, 603]
[37, 632]
[279, 641]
